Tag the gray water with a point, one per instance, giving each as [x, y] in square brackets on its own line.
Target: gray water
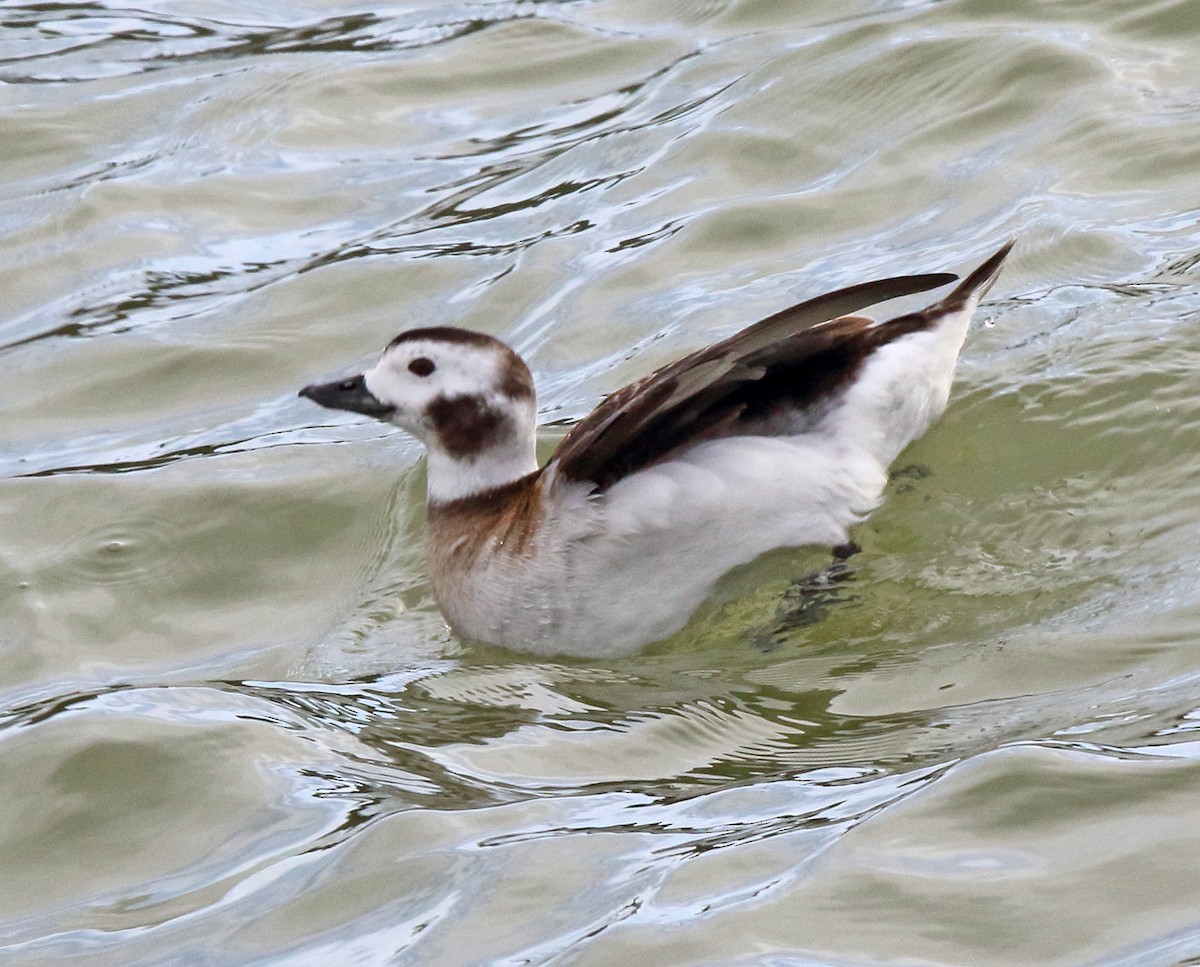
[233, 727]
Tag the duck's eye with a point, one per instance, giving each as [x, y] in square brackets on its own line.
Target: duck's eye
[347, 385]
[421, 366]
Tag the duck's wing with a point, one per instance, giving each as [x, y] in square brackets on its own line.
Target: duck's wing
[796, 356]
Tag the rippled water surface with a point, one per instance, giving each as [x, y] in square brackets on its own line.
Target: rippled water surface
[233, 728]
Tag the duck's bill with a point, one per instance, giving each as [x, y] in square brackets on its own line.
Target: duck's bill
[348, 394]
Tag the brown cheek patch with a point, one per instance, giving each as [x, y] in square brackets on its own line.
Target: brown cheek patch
[467, 425]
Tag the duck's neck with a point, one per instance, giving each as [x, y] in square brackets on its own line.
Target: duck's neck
[454, 478]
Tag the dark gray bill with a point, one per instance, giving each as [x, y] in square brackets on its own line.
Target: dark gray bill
[347, 394]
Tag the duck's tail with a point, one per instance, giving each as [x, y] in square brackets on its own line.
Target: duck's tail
[973, 288]
[905, 382]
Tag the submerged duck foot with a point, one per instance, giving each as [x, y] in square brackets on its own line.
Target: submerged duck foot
[807, 600]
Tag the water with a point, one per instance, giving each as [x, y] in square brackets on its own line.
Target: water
[233, 729]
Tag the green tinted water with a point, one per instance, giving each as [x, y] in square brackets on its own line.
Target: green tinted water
[233, 729]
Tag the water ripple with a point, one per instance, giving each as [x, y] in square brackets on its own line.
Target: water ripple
[119, 41]
[236, 727]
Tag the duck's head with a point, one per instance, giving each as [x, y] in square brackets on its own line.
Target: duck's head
[466, 396]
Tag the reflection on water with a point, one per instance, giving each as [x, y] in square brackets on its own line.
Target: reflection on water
[234, 728]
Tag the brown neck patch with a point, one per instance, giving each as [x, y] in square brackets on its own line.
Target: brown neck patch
[515, 380]
[506, 517]
[467, 425]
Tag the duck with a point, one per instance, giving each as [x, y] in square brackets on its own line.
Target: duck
[779, 436]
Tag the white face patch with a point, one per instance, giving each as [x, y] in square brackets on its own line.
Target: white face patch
[468, 398]
[442, 370]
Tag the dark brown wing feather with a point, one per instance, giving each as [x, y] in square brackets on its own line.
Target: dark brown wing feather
[802, 353]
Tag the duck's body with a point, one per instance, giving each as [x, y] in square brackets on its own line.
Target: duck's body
[603, 574]
[779, 436]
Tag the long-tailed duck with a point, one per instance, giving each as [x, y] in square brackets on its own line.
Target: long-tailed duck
[778, 436]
